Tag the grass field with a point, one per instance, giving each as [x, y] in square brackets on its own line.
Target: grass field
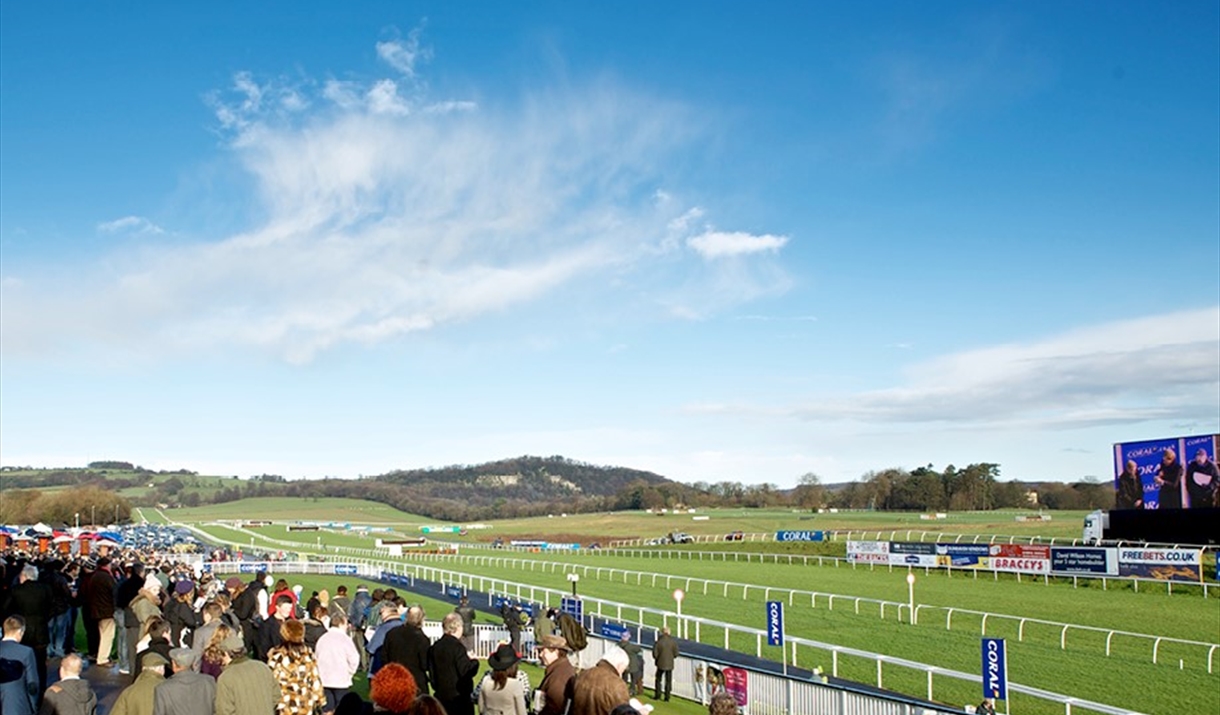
[632, 525]
[1127, 678]
[291, 509]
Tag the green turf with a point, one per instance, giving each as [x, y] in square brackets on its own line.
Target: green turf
[291, 509]
[1126, 678]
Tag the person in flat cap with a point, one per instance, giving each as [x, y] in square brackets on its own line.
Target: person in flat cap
[186, 692]
[247, 686]
[137, 698]
[554, 694]
[501, 692]
[635, 664]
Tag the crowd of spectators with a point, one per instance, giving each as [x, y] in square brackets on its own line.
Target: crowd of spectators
[190, 643]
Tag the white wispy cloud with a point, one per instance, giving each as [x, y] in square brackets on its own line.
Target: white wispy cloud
[1159, 367]
[382, 218]
[130, 224]
[720, 244]
[383, 99]
[403, 55]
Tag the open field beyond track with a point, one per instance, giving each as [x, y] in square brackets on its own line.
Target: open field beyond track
[1180, 682]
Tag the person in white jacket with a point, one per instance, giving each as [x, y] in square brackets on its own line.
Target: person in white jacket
[337, 659]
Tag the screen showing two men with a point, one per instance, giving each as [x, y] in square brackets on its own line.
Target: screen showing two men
[1173, 473]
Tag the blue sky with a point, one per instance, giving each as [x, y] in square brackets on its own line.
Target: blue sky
[716, 241]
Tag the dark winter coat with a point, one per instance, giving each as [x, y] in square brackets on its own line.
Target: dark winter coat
[408, 646]
[69, 697]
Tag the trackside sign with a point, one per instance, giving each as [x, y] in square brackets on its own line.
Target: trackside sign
[775, 622]
[995, 669]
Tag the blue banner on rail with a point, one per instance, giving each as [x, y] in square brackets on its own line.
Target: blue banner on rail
[995, 669]
[800, 536]
[613, 631]
[775, 623]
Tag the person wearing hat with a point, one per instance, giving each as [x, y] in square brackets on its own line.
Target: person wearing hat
[451, 667]
[600, 689]
[187, 692]
[500, 693]
[137, 698]
[246, 687]
[635, 664]
[554, 695]
[180, 610]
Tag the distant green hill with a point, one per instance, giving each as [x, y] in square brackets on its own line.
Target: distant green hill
[530, 478]
[520, 486]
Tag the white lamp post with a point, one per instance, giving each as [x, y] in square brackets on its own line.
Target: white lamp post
[911, 596]
[679, 594]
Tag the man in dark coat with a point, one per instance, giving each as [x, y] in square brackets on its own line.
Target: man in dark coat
[452, 668]
[408, 646]
[245, 605]
[512, 615]
[61, 603]
[664, 653]
[31, 599]
[187, 692]
[467, 613]
[126, 592]
[97, 595]
[635, 666]
[70, 695]
[19, 688]
[357, 615]
[1202, 480]
[268, 635]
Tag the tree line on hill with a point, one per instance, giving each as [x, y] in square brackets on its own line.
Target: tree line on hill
[64, 507]
[532, 486]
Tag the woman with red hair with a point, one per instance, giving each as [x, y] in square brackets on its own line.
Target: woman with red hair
[393, 689]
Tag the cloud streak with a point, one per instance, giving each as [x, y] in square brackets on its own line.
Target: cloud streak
[130, 224]
[718, 244]
[1155, 368]
[387, 214]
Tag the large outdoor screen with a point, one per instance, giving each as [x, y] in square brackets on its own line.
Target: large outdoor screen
[1172, 473]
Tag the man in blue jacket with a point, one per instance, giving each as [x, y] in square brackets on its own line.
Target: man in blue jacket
[19, 688]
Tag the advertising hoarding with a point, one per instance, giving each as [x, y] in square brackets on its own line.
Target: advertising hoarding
[914, 554]
[1018, 558]
[961, 556]
[1162, 564]
[1170, 473]
[864, 552]
[800, 536]
[737, 684]
[1084, 560]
